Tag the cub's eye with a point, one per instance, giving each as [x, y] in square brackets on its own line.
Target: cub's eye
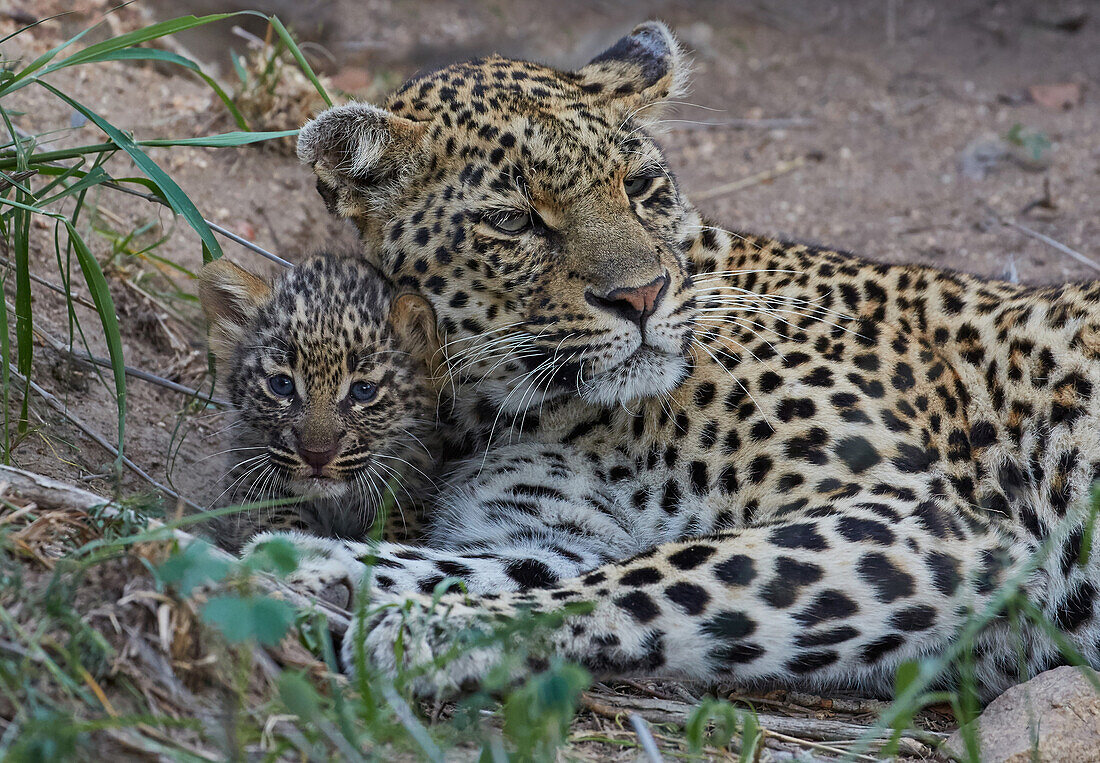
[513, 222]
[363, 392]
[281, 385]
[636, 186]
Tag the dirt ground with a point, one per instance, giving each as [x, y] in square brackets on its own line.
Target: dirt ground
[954, 133]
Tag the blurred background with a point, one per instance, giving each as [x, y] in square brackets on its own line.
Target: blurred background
[913, 124]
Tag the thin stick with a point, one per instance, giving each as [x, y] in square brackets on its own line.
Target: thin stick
[1052, 243]
[53, 494]
[137, 373]
[160, 381]
[99, 440]
[213, 226]
[649, 744]
[760, 177]
[22, 134]
[53, 287]
[776, 123]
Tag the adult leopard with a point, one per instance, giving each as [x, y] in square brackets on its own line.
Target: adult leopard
[761, 461]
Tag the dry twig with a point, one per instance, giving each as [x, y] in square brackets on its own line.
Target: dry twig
[760, 177]
[53, 494]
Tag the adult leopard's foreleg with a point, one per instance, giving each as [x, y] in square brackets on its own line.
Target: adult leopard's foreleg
[817, 602]
[530, 517]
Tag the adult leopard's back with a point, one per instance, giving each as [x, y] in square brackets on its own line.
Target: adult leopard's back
[817, 465]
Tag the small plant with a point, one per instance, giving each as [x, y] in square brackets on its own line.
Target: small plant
[272, 92]
[1034, 143]
[53, 185]
[716, 722]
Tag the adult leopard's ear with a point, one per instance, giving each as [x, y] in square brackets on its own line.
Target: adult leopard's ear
[361, 155]
[642, 69]
[231, 297]
[413, 320]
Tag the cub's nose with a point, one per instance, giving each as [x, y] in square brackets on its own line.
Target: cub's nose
[318, 459]
[633, 303]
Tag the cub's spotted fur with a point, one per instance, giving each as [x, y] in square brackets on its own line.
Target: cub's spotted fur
[761, 461]
[329, 379]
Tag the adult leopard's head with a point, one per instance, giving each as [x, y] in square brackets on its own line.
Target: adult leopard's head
[533, 210]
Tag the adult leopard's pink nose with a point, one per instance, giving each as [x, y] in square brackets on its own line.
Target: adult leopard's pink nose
[633, 303]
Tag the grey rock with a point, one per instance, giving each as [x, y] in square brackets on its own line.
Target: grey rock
[1056, 714]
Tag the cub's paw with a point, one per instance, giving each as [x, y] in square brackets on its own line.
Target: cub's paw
[445, 647]
[327, 568]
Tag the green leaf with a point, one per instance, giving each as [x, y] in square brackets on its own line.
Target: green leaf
[5, 376]
[24, 316]
[173, 194]
[93, 177]
[271, 619]
[255, 617]
[1089, 531]
[194, 566]
[277, 555]
[298, 695]
[447, 585]
[21, 78]
[230, 615]
[105, 306]
[537, 716]
[750, 737]
[724, 717]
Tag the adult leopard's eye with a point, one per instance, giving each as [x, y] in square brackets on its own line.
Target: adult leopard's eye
[636, 186]
[513, 223]
[281, 385]
[363, 392]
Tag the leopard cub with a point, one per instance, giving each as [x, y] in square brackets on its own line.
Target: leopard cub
[330, 377]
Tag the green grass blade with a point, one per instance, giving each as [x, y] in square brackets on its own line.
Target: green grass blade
[173, 194]
[93, 177]
[5, 375]
[138, 36]
[105, 306]
[58, 179]
[9, 160]
[32, 25]
[222, 140]
[24, 320]
[164, 56]
[21, 78]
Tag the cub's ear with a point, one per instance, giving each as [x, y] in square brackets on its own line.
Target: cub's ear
[413, 320]
[361, 154]
[230, 297]
[642, 69]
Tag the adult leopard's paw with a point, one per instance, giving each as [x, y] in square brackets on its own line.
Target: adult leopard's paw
[444, 648]
[327, 568]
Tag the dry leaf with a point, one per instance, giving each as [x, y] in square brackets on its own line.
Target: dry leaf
[1058, 97]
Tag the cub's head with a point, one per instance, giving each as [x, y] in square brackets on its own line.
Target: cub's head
[329, 374]
[533, 210]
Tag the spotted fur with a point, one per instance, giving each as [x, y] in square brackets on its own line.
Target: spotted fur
[761, 461]
[358, 411]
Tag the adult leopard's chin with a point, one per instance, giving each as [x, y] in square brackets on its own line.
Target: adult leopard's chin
[646, 373]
